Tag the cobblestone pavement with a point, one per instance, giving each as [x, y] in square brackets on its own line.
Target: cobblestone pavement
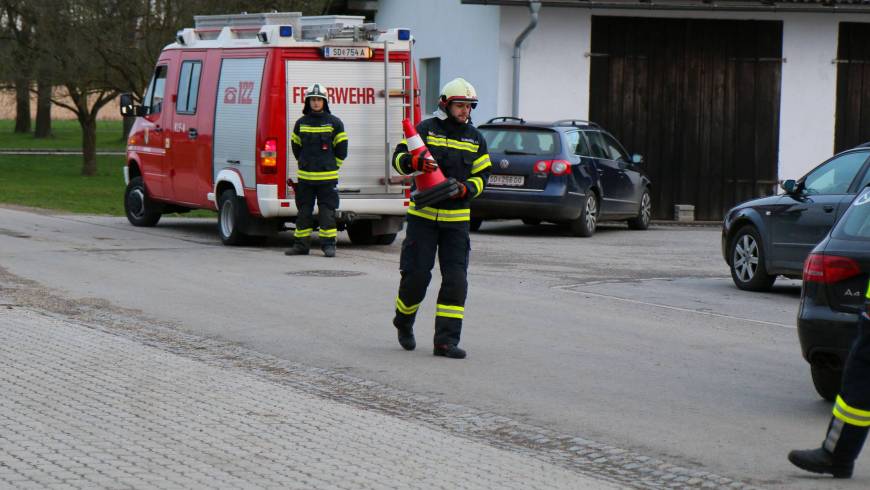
[81, 408]
[92, 395]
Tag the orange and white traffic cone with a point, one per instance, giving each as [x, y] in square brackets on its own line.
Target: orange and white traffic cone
[431, 187]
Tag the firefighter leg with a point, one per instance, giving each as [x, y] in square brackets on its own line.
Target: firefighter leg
[305, 194]
[417, 260]
[454, 246]
[327, 202]
[848, 428]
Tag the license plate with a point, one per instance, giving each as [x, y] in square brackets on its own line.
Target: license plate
[347, 52]
[507, 180]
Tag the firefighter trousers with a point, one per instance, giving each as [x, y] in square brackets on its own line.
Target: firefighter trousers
[325, 194]
[423, 240]
[848, 429]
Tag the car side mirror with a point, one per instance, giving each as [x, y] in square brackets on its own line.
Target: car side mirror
[789, 186]
[637, 159]
[128, 108]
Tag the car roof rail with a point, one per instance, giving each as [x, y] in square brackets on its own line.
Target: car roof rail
[575, 122]
[506, 118]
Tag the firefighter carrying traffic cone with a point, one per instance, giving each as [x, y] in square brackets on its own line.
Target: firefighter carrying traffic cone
[319, 144]
[442, 228]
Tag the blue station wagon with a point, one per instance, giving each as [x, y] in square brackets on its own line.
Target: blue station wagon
[570, 171]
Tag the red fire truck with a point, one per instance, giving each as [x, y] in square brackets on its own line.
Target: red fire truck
[212, 131]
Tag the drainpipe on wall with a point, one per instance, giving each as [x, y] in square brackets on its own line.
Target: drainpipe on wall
[534, 7]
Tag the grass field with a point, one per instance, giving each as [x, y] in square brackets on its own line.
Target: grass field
[55, 182]
[66, 135]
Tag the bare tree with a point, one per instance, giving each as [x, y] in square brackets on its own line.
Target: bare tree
[18, 68]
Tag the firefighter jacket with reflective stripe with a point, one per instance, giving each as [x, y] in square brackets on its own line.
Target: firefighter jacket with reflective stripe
[460, 151]
[319, 144]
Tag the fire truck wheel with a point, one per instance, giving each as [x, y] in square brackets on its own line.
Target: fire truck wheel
[387, 239]
[140, 209]
[231, 214]
[360, 233]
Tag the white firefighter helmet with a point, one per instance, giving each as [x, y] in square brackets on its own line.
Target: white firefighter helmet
[457, 90]
[316, 90]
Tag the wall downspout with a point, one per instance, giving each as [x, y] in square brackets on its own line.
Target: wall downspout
[534, 7]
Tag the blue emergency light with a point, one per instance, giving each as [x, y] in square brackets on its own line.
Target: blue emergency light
[285, 31]
[404, 34]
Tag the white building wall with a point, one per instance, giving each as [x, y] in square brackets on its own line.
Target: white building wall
[465, 37]
[554, 74]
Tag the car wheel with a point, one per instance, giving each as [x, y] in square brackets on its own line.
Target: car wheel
[827, 381]
[748, 269]
[231, 214]
[587, 222]
[641, 221]
[531, 222]
[475, 223]
[139, 208]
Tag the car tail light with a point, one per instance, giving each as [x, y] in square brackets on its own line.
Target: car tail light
[542, 166]
[560, 167]
[269, 156]
[829, 269]
[555, 167]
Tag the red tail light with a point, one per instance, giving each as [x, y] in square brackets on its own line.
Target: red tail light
[560, 167]
[542, 166]
[555, 167]
[829, 269]
[269, 156]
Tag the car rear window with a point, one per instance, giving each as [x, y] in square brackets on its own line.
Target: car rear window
[855, 224]
[515, 141]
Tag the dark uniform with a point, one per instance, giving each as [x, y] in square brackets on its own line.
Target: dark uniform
[319, 144]
[460, 151]
[848, 428]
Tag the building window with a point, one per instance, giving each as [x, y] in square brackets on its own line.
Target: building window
[430, 83]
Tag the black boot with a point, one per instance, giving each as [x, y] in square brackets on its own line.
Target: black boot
[838, 453]
[328, 249]
[449, 350]
[820, 461]
[300, 247]
[406, 338]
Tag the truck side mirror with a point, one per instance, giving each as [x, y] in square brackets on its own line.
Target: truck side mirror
[637, 159]
[128, 108]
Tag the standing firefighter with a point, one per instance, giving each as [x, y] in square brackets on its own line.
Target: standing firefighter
[849, 424]
[460, 151]
[320, 146]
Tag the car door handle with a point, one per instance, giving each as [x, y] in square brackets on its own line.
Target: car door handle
[828, 208]
[192, 133]
[234, 162]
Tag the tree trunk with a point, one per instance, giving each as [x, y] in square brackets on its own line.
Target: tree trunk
[89, 145]
[128, 125]
[22, 106]
[43, 110]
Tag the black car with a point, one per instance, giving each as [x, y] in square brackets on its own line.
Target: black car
[772, 236]
[572, 172]
[834, 287]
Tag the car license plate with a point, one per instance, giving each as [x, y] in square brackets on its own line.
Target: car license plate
[347, 52]
[507, 180]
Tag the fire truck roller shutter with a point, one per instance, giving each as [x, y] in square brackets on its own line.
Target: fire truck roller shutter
[235, 127]
[355, 91]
